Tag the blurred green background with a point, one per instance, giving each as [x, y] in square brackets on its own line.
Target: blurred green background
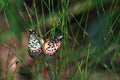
[90, 49]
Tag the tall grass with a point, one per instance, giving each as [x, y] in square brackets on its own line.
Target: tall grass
[90, 47]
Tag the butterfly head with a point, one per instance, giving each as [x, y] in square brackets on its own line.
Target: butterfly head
[31, 31]
[59, 38]
[33, 34]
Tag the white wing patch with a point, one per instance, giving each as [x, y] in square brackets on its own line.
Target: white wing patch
[34, 43]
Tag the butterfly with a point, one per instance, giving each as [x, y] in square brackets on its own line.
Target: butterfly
[50, 47]
[35, 45]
